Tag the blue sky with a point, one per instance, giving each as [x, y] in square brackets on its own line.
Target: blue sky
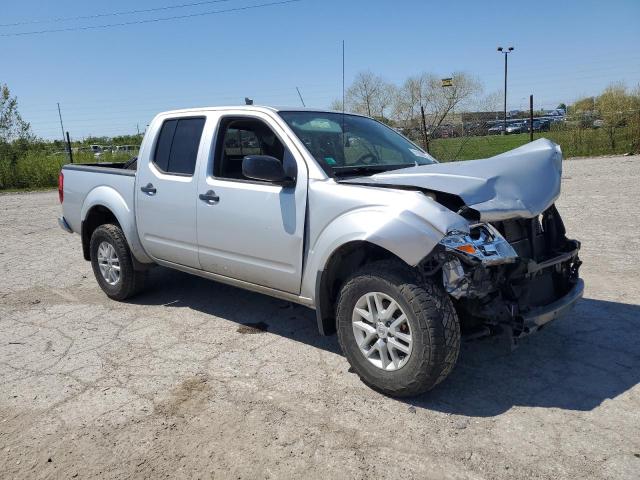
[109, 80]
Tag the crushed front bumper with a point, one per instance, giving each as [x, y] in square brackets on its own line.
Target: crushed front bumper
[521, 296]
[540, 316]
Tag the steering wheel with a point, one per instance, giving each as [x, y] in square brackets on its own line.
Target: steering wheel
[367, 159]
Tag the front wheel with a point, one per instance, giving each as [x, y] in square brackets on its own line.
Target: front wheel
[112, 263]
[401, 334]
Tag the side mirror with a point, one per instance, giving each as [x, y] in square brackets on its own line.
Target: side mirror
[267, 169]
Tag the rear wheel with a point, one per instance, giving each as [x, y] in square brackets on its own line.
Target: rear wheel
[112, 263]
[400, 334]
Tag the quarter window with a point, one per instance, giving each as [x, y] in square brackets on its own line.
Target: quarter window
[177, 147]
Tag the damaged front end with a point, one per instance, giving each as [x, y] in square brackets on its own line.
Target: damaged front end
[511, 275]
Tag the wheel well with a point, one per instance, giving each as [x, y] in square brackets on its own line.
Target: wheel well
[98, 215]
[342, 263]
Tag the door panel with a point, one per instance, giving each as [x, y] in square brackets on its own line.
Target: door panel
[167, 192]
[254, 231]
[167, 219]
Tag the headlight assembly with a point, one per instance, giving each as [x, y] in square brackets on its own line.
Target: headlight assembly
[484, 244]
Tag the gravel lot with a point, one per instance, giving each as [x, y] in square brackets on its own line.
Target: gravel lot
[173, 384]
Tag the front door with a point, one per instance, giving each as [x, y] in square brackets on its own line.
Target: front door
[251, 230]
[166, 193]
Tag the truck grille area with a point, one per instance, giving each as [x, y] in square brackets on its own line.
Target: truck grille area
[538, 238]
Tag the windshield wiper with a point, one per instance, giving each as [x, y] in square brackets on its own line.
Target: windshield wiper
[366, 169]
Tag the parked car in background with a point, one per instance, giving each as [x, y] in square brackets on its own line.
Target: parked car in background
[125, 148]
[496, 129]
[397, 253]
[538, 126]
[517, 127]
[475, 128]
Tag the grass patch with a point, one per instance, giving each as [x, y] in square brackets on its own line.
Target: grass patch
[574, 143]
[39, 170]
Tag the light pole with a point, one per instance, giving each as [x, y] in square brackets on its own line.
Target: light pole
[506, 52]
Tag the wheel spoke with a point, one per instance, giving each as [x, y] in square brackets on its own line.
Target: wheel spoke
[402, 336]
[384, 354]
[390, 310]
[372, 308]
[364, 314]
[397, 322]
[369, 334]
[394, 344]
[365, 327]
[395, 359]
[379, 306]
[374, 348]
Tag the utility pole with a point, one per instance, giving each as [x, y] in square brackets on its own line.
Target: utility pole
[531, 118]
[69, 151]
[61, 126]
[424, 129]
[63, 138]
[506, 52]
[138, 128]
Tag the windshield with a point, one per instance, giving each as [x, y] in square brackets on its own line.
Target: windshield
[349, 144]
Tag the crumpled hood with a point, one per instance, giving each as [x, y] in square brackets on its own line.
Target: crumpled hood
[520, 183]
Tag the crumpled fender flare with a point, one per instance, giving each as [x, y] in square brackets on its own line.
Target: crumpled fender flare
[403, 231]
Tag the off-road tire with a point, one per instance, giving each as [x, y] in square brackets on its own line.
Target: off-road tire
[432, 317]
[131, 281]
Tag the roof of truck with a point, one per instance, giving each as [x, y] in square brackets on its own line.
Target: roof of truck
[253, 108]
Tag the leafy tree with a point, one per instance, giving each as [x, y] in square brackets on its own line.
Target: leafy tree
[584, 105]
[615, 107]
[12, 126]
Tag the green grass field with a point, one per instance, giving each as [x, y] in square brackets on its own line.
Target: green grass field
[574, 143]
[37, 170]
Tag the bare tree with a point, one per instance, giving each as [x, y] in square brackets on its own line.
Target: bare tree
[444, 100]
[336, 105]
[415, 93]
[369, 94]
[426, 91]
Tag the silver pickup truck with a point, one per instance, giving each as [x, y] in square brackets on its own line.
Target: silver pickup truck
[397, 253]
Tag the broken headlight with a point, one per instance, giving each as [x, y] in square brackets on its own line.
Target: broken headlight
[483, 243]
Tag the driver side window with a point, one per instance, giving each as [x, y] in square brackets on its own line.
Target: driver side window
[240, 137]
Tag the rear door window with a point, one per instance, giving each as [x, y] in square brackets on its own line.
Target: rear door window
[177, 147]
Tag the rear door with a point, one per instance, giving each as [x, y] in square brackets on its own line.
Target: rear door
[166, 193]
[251, 230]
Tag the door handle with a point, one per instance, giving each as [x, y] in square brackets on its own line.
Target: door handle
[210, 197]
[149, 189]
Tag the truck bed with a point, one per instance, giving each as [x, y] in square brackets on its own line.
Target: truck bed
[117, 168]
[84, 182]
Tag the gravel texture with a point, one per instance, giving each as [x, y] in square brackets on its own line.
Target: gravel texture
[198, 379]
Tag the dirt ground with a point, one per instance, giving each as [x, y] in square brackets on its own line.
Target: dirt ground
[175, 384]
